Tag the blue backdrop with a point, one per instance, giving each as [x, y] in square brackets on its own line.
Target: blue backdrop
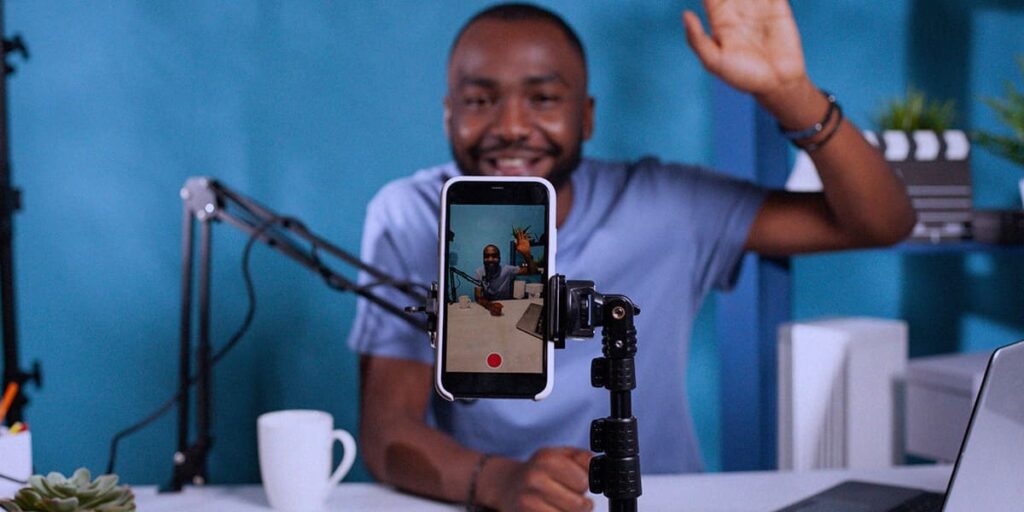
[310, 107]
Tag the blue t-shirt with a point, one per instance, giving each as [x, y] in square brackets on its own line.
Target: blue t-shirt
[662, 235]
[498, 286]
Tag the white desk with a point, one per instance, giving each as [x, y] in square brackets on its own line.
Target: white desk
[474, 334]
[712, 492]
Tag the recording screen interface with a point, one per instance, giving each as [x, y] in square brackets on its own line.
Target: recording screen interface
[497, 256]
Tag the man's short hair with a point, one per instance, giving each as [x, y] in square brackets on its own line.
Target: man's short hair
[516, 11]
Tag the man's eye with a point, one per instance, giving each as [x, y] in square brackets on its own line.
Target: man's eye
[544, 100]
[476, 101]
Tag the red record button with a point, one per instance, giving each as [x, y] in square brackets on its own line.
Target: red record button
[493, 360]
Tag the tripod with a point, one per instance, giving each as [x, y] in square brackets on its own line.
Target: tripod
[575, 308]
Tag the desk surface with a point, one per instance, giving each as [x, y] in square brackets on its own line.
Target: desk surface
[474, 334]
[710, 492]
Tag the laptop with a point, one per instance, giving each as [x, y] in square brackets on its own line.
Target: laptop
[532, 321]
[987, 474]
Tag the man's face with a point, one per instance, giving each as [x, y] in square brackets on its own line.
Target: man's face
[492, 258]
[517, 103]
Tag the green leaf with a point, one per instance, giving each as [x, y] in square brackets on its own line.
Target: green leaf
[917, 112]
[1009, 111]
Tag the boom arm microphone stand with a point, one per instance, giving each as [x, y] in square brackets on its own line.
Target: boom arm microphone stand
[454, 295]
[205, 200]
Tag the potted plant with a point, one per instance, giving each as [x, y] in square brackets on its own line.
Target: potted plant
[80, 493]
[931, 157]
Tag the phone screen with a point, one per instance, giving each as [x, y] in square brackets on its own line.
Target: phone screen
[496, 264]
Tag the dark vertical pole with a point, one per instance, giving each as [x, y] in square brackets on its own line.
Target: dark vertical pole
[616, 472]
[185, 338]
[203, 355]
[9, 203]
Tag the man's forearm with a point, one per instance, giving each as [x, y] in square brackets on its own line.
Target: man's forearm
[865, 198]
[417, 458]
[531, 264]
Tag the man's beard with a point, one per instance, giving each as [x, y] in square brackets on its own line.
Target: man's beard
[559, 175]
[491, 269]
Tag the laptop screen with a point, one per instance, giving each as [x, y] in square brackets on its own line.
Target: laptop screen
[988, 472]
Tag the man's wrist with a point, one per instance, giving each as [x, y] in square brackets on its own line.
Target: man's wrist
[493, 478]
[795, 106]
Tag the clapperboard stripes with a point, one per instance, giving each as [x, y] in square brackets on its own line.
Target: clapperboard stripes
[936, 169]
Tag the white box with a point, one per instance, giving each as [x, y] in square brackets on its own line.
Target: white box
[940, 397]
[838, 393]
[15, 460]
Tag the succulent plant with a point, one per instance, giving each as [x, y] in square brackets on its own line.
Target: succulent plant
[917, 112]
[80, 493]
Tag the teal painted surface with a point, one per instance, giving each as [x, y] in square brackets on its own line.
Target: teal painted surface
[309, 107]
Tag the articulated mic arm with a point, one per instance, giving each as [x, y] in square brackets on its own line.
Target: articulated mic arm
[206, 200]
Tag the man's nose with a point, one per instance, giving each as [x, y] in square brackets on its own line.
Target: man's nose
[513, 121]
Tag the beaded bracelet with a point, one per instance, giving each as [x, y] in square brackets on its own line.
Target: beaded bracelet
[816, 128]
[810, 147]
[471, 495]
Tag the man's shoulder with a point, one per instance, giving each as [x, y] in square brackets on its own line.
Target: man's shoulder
[422, 188]
[428, 180]
[640, 174]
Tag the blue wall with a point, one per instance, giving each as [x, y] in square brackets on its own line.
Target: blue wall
[310, 107]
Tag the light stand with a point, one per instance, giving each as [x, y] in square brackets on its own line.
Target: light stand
[205, 200]
[10, 202]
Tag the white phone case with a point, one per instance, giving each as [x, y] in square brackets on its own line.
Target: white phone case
[443, 277]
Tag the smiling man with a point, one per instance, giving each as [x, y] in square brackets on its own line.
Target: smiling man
[663, 234]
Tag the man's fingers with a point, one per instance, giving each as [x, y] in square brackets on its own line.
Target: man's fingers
[703, 45]
[565, 468]
[582, 457]
[547, 486]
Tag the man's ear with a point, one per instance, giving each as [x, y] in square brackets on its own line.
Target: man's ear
[447, 116]
[588, 118]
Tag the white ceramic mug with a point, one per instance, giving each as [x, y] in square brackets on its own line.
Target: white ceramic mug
[518, 289]
[463, 301]
[533, 290]
[15, 460]
[295, 458]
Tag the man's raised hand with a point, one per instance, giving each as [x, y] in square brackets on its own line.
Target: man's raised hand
[754, 45]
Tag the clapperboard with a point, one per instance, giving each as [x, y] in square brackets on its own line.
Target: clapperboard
[936, 169]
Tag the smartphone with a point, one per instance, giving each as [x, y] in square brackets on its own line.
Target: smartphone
[497, 251]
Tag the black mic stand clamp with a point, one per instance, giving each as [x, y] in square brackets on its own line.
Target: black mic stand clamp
[574, 310]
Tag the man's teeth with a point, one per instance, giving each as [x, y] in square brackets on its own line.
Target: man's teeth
[512, 162]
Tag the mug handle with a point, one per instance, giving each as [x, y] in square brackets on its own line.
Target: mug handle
[348, 456]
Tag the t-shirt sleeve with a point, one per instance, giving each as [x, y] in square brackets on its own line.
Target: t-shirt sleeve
[724, 208]
[376, 331]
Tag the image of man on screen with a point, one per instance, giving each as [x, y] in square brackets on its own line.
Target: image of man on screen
[496, 279]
